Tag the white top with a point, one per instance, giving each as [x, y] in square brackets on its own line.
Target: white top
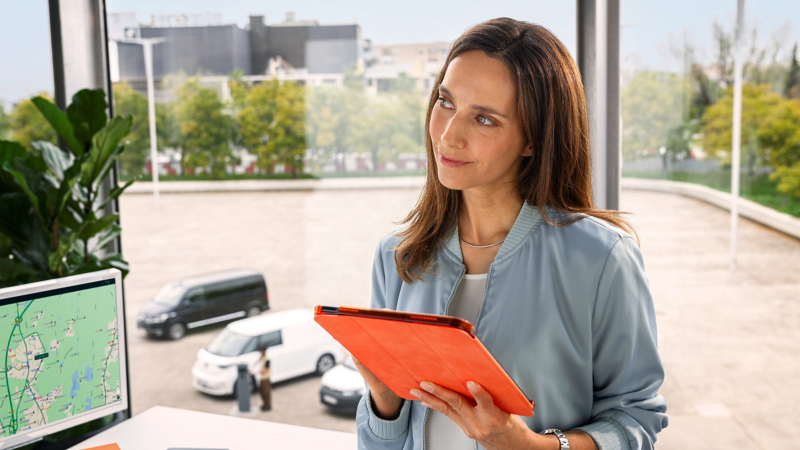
[442, 433]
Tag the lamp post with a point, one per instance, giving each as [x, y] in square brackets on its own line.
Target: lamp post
[737, 128]
[147, 47]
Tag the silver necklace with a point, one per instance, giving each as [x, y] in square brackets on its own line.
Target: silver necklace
[481, 246]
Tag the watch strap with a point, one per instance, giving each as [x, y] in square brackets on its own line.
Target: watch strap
[561, 438]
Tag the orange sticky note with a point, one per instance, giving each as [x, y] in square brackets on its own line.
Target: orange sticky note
[105, 447]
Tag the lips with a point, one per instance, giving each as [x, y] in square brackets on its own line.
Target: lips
[451, 162]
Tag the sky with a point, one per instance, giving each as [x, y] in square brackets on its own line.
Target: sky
[648, 26]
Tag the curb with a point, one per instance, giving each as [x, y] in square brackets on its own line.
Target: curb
[747, 208]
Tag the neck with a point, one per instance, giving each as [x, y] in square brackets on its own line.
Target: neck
[488, 213]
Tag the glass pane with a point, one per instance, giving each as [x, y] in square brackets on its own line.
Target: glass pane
[250, 103]
[28, 71]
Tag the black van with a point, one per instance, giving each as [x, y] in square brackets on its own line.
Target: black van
[203, 300]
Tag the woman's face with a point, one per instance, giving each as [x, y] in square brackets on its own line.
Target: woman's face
[476, 133]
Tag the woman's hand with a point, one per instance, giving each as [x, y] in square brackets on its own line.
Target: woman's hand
[484, 422]
[386, 403]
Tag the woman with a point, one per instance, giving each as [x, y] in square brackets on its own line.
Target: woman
[505, 236]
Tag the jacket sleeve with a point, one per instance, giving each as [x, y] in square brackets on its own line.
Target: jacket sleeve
[374, 432]
[627, 369]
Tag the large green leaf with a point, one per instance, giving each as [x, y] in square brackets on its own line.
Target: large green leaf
[115, 193]
[87, 114]
[92, 226]
[106, 237]
[59, 121]
[57, 160]
[104, 144]
[10, 150]
[18, 173]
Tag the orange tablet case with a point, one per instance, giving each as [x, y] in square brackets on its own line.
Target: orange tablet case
[404, 349]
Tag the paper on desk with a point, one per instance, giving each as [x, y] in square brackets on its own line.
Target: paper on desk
[105, 447]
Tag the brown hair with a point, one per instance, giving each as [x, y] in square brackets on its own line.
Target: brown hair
[552, 109]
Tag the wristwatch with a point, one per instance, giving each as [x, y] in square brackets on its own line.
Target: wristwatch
[560, 436]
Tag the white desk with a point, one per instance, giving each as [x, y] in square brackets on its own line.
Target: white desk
[160, 428]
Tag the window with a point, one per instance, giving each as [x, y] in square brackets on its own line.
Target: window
[195, 295]
[271, 339]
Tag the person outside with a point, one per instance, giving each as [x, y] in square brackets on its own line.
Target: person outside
[505, 235]
[262, 368]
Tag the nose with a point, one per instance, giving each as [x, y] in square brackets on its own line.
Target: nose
[453, 135]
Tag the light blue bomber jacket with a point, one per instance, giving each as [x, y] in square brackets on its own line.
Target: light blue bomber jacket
[567, 313]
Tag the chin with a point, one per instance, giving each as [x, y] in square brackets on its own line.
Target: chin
[451, 179]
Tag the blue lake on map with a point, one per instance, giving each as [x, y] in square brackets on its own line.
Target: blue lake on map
[88, 404]
[88, 374]
[73, 392]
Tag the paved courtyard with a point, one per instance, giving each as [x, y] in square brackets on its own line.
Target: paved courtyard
[729, 339]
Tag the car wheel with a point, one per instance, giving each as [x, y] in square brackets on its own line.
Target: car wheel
[176, 331]
[252, 312]
[325, 363]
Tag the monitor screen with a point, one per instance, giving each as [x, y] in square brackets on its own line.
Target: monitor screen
[60, 355]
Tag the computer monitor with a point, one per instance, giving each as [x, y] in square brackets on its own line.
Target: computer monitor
[62, 355]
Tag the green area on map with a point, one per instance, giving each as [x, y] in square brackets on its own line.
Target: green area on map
[59, 357]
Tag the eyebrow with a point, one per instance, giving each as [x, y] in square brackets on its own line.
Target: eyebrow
[485, 109]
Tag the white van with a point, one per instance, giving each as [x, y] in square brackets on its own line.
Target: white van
[297, 346]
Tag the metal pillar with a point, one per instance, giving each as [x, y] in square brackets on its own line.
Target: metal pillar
[737, 129]
[598, 28]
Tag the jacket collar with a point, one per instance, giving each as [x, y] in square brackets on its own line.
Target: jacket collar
[528, 219]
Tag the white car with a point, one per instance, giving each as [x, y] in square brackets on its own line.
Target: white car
[297, 346]
[342, 387]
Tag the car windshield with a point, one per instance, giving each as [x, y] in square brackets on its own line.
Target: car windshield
[170, 294]
[228, 343]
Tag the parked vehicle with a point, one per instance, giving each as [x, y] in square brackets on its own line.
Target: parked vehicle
[342, 388]
[297, 346]
[204, 300]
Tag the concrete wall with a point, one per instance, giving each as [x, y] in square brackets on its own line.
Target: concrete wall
[213, 50]
[331, 56]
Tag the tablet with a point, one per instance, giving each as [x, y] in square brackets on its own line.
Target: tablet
[404, 349]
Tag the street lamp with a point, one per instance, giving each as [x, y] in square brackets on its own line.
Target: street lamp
[147, 46]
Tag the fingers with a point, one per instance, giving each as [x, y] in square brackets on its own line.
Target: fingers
[442, 399]
[482, 398]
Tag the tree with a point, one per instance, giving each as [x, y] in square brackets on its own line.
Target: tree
[28, 124]
[654, 115]
[758, 103]
[137, 147]
[5, 123]
[204, 129]
[388, 125]
[779, 135]
[791, 87]
[272, 124]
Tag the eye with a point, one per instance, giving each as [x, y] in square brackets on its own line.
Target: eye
[485, 121]
[445, 103]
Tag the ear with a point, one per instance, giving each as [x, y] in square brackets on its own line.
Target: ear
[528, 151]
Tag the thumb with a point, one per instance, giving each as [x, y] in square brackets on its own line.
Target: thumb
[482, 397]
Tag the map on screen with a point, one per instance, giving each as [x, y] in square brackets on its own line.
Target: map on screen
[59, 355]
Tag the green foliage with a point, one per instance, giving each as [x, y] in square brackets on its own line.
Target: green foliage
[5, 123]
[758, 103]
[653, 114]
[27, 124]
[49, 197]
[271, 124]
[128, 102]
[791, 88]
[205, 130]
